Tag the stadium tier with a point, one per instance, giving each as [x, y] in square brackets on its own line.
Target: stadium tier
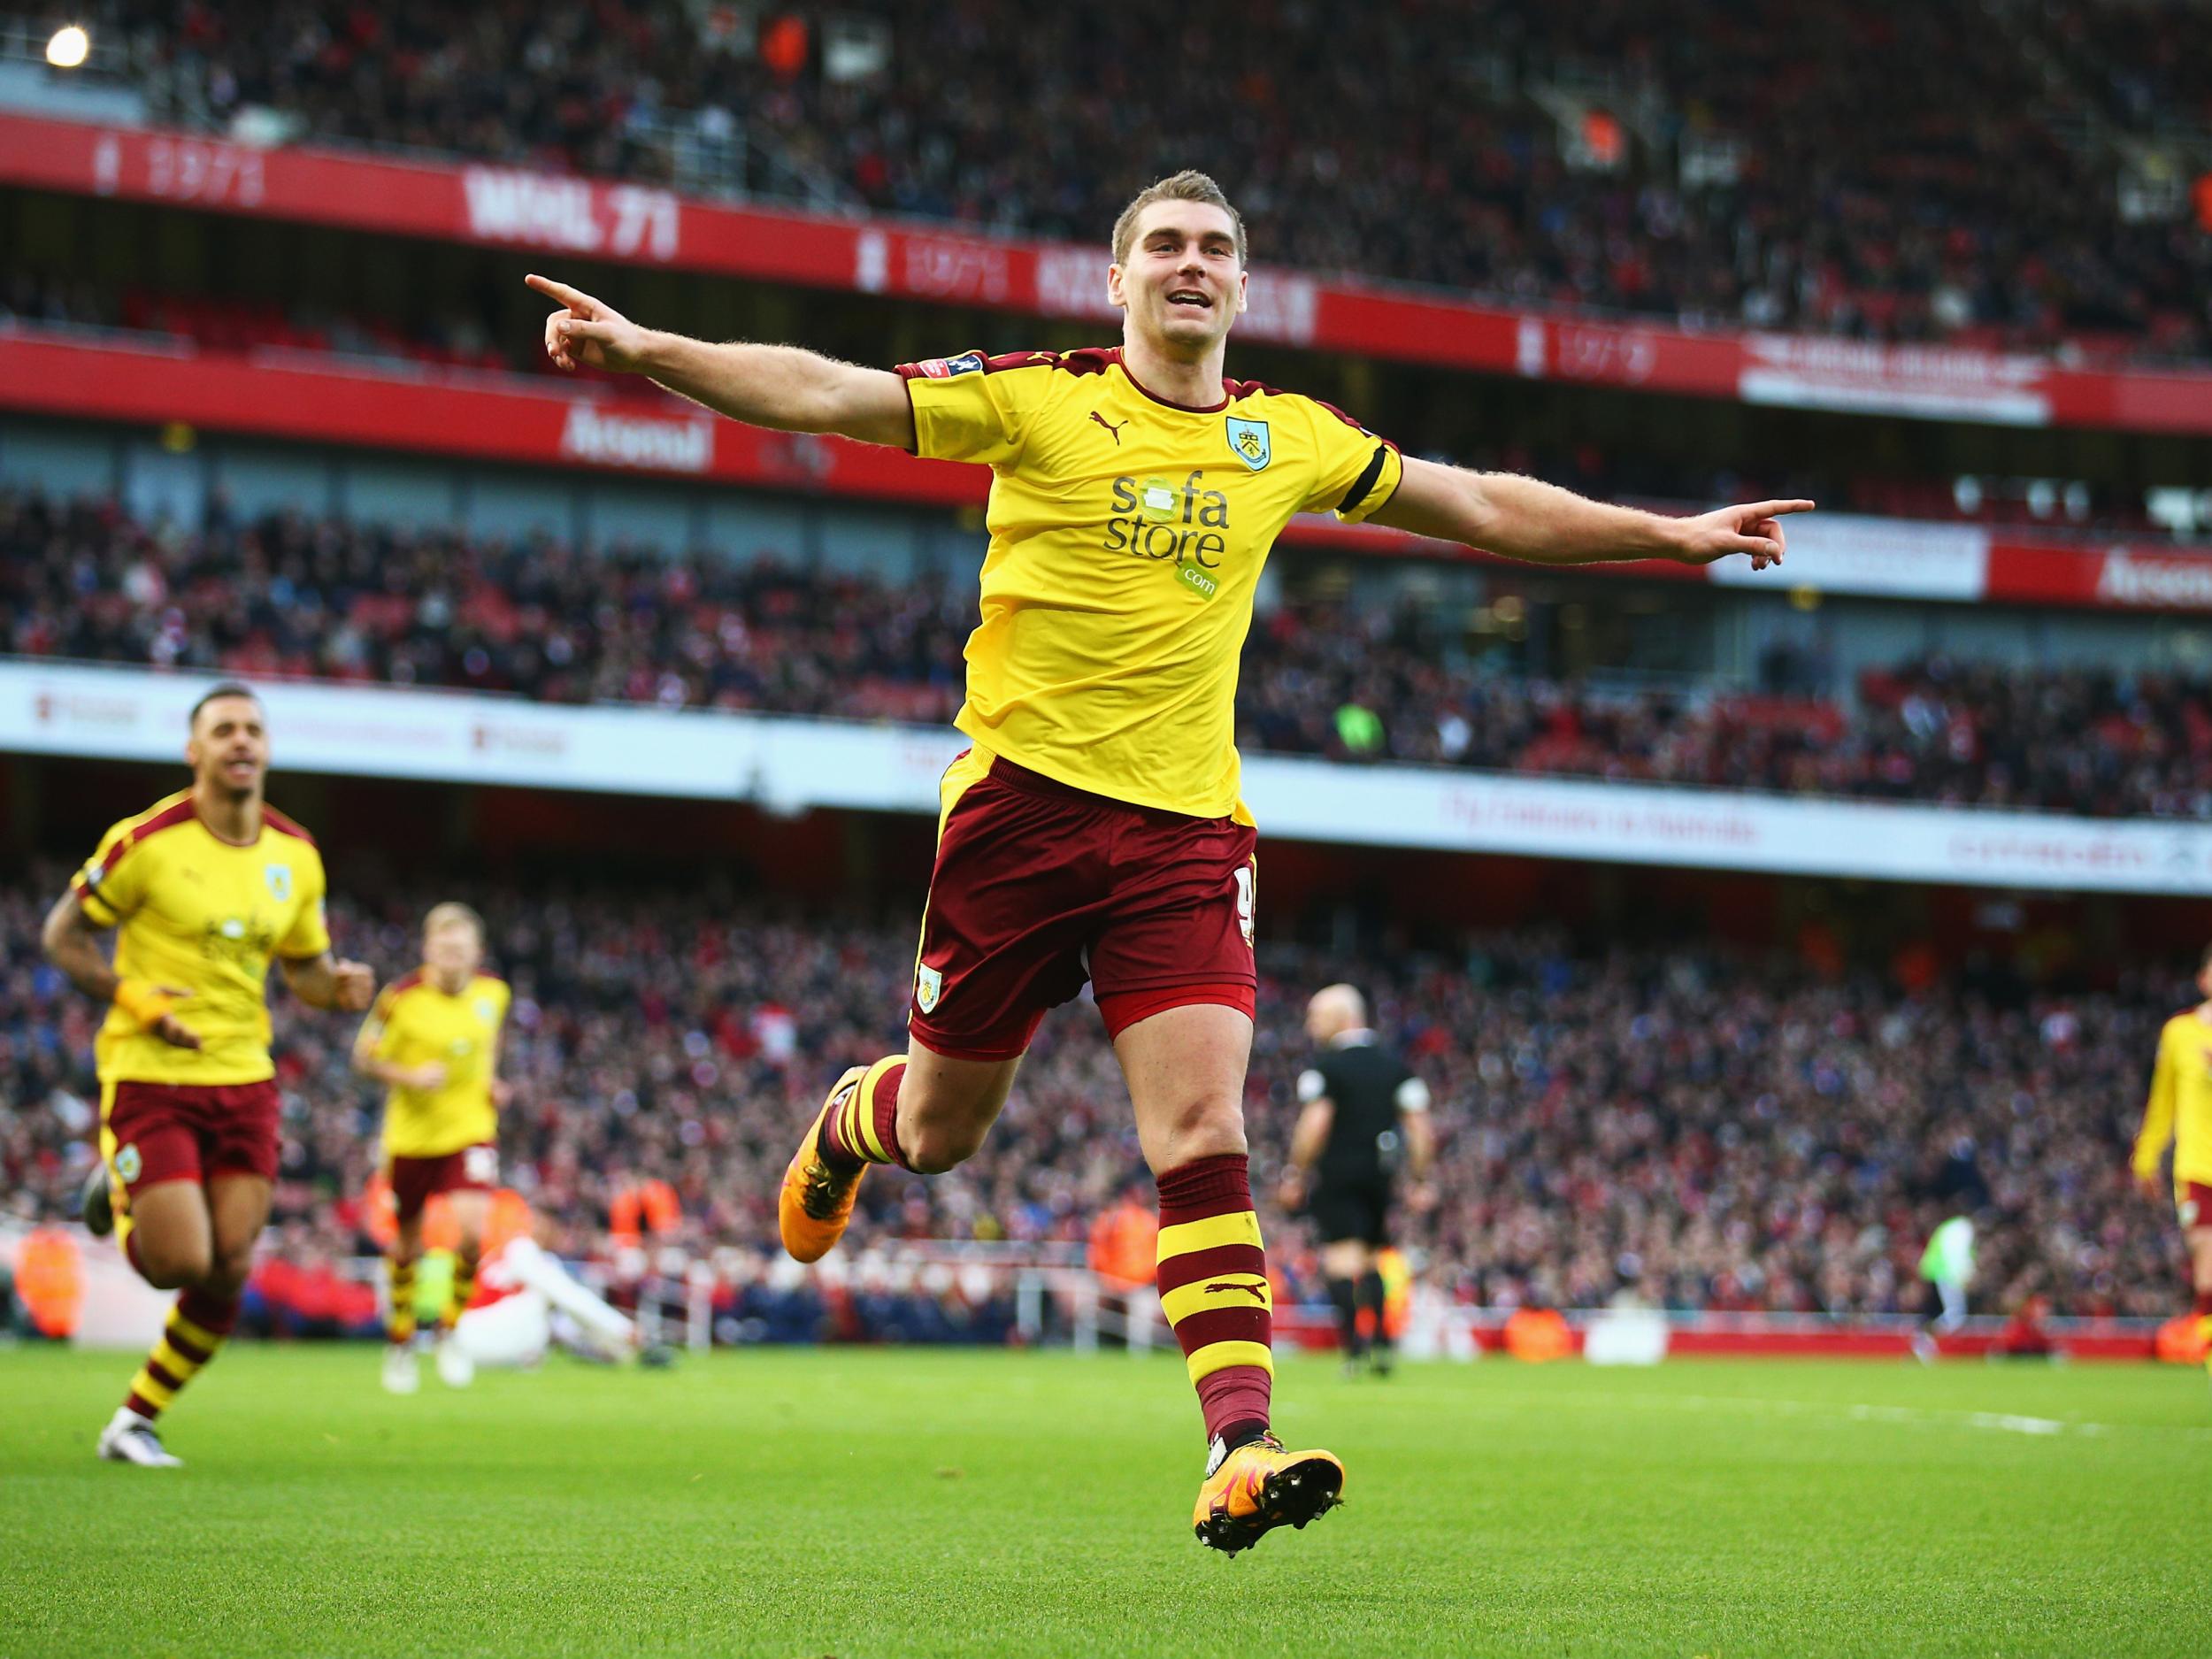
[1395, 682]
[1949, 172]
[1702, 1129]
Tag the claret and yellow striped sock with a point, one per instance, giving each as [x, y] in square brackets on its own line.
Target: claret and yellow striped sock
[865, 1126]
[195, 1328]
[1214, 1291]
[400, 1324]
[463, 1293]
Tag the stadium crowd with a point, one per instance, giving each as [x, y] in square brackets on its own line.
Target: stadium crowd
[285, 595]
[1939, 172]
[1698, 1128]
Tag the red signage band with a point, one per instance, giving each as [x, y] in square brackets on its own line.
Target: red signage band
[307, 398]
[634, 224]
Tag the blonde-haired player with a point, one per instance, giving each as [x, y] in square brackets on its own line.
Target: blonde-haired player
[203, 889]
[2179, 1111]
[433, 1039]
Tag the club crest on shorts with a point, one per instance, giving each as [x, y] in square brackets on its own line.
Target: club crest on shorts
[929, 989]
[128, 1163]
[279, 880]
[1247, 442]
[2188, 1208]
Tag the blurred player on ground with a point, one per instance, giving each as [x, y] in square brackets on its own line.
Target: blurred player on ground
[203, 888]
[526, 1302]
[1094, 829]
[2179, 1111]
[1365, 1114]
[1946, 1267]
[433, 1039]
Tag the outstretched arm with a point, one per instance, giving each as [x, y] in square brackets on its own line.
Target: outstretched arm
[779, 386]
[1526, 518]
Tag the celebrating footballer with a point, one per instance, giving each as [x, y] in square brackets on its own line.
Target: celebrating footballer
[203, 889]
[1094, 830]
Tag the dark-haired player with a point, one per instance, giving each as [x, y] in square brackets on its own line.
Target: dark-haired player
[1094, 829]
[204, 889]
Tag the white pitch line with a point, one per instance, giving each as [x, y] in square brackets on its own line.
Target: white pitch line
[1999, 1422]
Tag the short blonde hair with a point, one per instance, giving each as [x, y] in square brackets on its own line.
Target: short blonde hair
[452, 913]
[1186, 185]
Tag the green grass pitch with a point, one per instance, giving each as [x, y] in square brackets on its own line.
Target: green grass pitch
[881, 1502]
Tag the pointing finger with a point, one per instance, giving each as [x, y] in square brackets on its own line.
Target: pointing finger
[575, 299]
[1773, 508]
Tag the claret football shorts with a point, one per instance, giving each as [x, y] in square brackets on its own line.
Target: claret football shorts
[416, 1181]
[1039, 887]
[152, 1132]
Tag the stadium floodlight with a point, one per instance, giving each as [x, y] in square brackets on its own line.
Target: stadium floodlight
[69, 48]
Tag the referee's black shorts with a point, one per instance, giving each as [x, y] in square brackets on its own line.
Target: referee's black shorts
[1351, 1210]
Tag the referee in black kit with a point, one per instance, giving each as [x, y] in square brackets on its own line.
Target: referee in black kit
[1364, 1113]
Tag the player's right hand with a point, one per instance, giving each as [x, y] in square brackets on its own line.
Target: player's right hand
[588, 331]
[430, 1074]
[151, 1004]
[2148, 1185]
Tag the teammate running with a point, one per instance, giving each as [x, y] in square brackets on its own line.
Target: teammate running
[433, 1038]
[204, 888]
[1365, 1114]
[2179, 1111]
[1094, 829]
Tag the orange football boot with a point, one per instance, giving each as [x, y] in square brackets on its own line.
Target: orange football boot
[816, 1200]
[1260, 1486]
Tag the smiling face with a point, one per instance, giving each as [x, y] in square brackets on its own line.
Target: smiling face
[1180, 282]
[230, 747]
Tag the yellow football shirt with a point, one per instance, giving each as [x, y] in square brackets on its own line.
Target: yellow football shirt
[206, 915]
[1127, 536]
[413, 1023]
[2180, 1105]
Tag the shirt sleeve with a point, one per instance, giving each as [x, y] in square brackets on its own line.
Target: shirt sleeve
[2158, 1113]
[1354, 472]
[113, 883]
[1312, 1085]
[974, 408]
[310, 934]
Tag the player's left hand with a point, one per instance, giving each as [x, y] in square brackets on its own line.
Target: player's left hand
[353, 986]
[1290, 1192]
[1755, 529]
[1421, 1197]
